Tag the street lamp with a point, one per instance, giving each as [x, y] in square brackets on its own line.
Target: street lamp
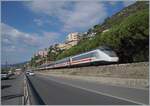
[6, 64]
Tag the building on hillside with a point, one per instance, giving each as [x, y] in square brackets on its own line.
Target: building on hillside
[62, 46]
[66, 45]
[105, 30]
[82, 35]
[71, 43]
[73, 37]
[42, 53]
[90, 35]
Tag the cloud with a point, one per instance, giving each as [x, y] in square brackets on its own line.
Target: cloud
[19, 46]
[48, 38]
[12, 36]
[128, 2]
[47, 6]
[38, 22]
[75, 15]
[113, 3]
[13, 39]
[85, 15]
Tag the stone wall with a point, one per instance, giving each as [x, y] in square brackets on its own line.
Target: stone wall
[135, 75]
[134, 70]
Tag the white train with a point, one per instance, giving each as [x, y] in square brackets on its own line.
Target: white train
[101, 55]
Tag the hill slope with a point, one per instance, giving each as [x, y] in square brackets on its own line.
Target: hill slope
[120, 16]
[128, 35]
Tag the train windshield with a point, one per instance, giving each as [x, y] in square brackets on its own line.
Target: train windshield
[105, 48]
[108, 51]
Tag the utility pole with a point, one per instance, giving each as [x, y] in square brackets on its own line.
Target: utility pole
[46, 59]
[6, 64]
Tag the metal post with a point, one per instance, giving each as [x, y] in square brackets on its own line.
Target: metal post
[6, 64]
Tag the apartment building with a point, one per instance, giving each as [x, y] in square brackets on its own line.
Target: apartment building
[73, 37]
[42, 53]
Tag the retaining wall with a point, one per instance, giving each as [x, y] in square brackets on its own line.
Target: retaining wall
[134, 70]
[130, 75]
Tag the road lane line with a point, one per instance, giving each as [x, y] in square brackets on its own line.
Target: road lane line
[94, 91]
[145, 89]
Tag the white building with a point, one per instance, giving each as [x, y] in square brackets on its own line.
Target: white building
[42, 53]
[106, 30]
[73, 37]
[62, 46]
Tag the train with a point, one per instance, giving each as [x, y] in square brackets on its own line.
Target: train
[100, 55]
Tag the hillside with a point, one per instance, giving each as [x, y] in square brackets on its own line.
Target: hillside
[128, 35]
[120, 16]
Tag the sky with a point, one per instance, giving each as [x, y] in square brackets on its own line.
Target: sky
[28, 26]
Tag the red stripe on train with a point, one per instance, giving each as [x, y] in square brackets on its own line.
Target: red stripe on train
[82, 60]
[74, 62]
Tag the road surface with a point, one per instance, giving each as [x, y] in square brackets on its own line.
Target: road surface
[60, 91]
[12, 90]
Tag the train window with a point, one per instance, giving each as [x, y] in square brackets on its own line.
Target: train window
[82, 56]
[110, 53]
[62, 61]
[95, 54]
[105, 48]
[50, 64]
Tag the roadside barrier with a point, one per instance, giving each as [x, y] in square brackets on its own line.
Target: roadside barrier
[26, 100]
[32, 97]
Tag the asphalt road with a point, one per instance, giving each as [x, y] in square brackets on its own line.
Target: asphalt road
[140, 96]
[53, 91]
[12, 90]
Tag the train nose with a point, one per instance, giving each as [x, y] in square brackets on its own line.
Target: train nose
[114, 59]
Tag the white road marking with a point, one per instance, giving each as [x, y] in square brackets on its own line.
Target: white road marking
[94, 91]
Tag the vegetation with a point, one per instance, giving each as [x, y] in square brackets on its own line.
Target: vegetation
[130, 39]
[53, 52]
[127, 35]
[4, 70]
[120, 16]
[34, 60]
